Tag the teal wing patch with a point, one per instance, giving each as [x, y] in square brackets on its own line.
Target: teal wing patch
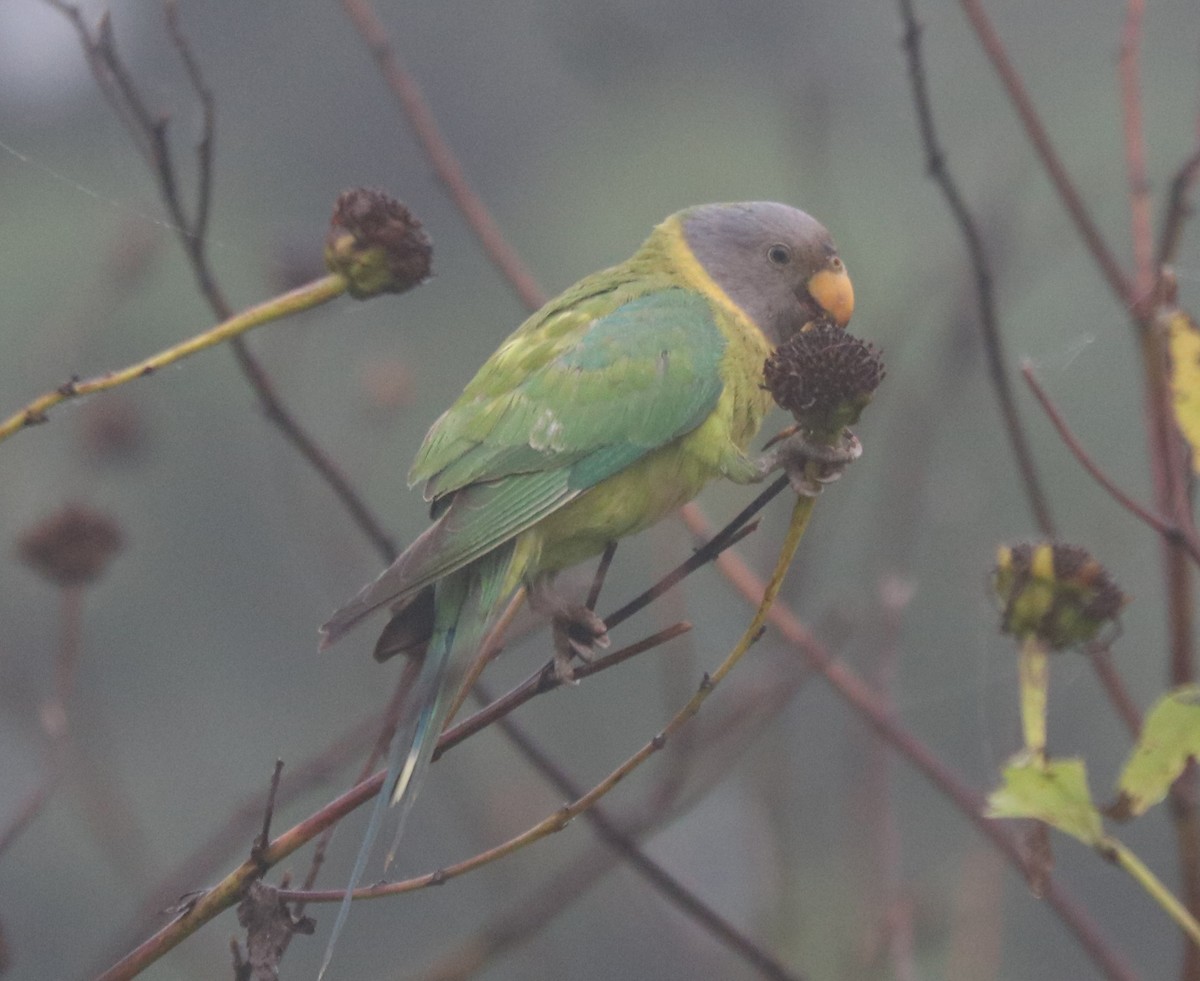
[593, 381]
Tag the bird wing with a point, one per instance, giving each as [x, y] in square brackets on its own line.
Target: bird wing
[573, 397]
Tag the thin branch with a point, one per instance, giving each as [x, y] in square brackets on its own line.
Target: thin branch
[1177, 211]
[747, 709]
[546, 679]
[989, 322]
[445, 164]
[891, 913]
[1129, 70]
[204, 147]
[237, 826]
[55, 715]
[736, 529]
[1169, 531]
[1114, 687]
[303, 298]
[865, 703]
[1039, 138]
[229, 890]
[387, 729]
[593, 596]
[149, 134]
[488, 651]
[264, 836]
[667, 885]
[801, 513]
[29, 809]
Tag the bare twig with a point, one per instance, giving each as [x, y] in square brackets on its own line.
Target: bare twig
[445, 164]
[1177, 211]
[304, 298]
[204, 148]
[301, 778]
[228, 891]
[264, 836]
[735, 530]
[546, 679]
[1114, 687]
[989, 322]
[1128, 67]
[149, 134]
[1039, 138]
[863, 701]
[679, 895]
[593, 596]
[489, 650]
[29, 809]
[1169, 531]
[55, 715]
[891, 913]
[553, 823]
[387, 728]
[749, 708]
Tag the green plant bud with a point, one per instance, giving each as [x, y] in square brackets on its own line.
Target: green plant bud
[1056, 593]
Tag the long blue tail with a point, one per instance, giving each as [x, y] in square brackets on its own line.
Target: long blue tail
[465, 602]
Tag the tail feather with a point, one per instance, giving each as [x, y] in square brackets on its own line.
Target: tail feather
[398, 585]
[410, 629]
[465, 603]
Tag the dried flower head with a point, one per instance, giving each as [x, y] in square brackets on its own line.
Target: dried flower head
[377, 244]
[71, 547]
[824, 376]
[1054, 592]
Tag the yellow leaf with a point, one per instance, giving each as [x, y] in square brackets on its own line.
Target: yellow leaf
[1055, 792]
[1183, 341]
[1170, 737]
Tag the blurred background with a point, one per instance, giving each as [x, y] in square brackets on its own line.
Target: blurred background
[582, 125]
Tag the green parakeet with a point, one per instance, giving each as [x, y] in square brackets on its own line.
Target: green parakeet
[607, 409]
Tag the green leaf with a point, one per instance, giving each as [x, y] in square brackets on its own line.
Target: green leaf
[1170, 737]
[1055, 792]
[1183, 340]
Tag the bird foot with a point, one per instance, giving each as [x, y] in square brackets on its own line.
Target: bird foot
[577, 630]
[811, 465]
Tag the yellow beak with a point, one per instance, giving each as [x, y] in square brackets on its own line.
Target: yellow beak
[832, 289]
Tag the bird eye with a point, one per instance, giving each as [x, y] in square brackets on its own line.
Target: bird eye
[837, 263]
[780, 255]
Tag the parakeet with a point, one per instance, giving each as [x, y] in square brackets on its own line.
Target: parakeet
[606, 410]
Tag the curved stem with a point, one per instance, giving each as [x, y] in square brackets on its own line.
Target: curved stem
[303, 298]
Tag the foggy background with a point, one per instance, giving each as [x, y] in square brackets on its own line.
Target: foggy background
[582, 125]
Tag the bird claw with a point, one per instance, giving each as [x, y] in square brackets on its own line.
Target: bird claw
[577, 630]
[812, 465]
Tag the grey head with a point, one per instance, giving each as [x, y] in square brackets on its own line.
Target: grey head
[777, 263]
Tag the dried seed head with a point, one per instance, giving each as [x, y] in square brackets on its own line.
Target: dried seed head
[377, 244]
[824, 376]
[1054, 592]
[71, 547]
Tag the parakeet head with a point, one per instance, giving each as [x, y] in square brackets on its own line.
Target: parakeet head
[774, 261]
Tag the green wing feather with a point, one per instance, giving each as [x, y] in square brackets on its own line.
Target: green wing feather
[577, 394]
